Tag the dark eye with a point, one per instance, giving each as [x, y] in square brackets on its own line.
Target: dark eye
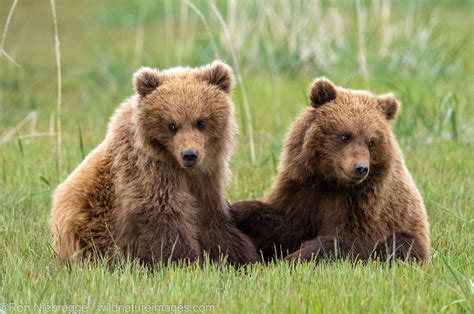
[345, 138]
[200, 124]
[172, 127]
[371, 143]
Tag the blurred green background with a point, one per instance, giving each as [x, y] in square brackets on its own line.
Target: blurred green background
[420, 50]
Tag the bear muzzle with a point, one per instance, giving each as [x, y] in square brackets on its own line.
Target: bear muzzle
[361, 170]
[189, 157]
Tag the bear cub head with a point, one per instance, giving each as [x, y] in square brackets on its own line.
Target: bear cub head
[186, 113]
[348, 139]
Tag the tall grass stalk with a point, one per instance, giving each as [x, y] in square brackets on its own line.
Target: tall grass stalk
[206, 25]
[361, 21]
[246, 109]
[385, 13]
[140, 34]
[183, 31]
[4, 34]
[8, 135]
[59, 84]
[169, 20]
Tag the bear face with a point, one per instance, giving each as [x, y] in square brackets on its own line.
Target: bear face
[186, 113]
[348, 139]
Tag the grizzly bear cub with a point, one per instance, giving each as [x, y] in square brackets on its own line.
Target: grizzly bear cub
[342, 189]
[154, 187]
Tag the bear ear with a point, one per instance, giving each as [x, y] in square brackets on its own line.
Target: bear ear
[146, 80]
[218, 73]
[321, 91]
[388, 105]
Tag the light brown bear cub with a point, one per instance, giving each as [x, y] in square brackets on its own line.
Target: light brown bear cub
[342, 188]
[154, 187]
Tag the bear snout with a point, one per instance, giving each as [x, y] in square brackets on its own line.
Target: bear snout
[361, 169]
[190, 157]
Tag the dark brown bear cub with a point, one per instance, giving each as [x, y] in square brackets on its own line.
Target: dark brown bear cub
[342, 190]
[154, 187]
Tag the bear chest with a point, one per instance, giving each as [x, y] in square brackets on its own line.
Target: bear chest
[331, 214]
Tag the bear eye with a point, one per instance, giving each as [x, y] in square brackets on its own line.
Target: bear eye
[172, 127]
[345, 138]
[200, 124]
[371, 144]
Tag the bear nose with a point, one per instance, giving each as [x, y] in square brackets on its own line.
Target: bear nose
[189, 157]
[361, 169]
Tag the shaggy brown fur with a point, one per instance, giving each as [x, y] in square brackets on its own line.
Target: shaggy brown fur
[342, 189]
[139, 192]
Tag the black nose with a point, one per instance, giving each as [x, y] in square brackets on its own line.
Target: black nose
[361, 169]
[189, 157]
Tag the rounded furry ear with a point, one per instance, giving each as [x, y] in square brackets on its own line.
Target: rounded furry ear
[218, 73]
[321, 91]
[146, 80]
[388, 105]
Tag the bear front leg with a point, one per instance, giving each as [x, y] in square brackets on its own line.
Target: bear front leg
[268, 228]
[167, 248]
[401, 246]
[154, 237]
[224, 241]
[325, 248]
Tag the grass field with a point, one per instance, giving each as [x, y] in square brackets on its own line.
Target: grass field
[420, 50]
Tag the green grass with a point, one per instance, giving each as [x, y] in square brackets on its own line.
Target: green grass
[420, 51]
